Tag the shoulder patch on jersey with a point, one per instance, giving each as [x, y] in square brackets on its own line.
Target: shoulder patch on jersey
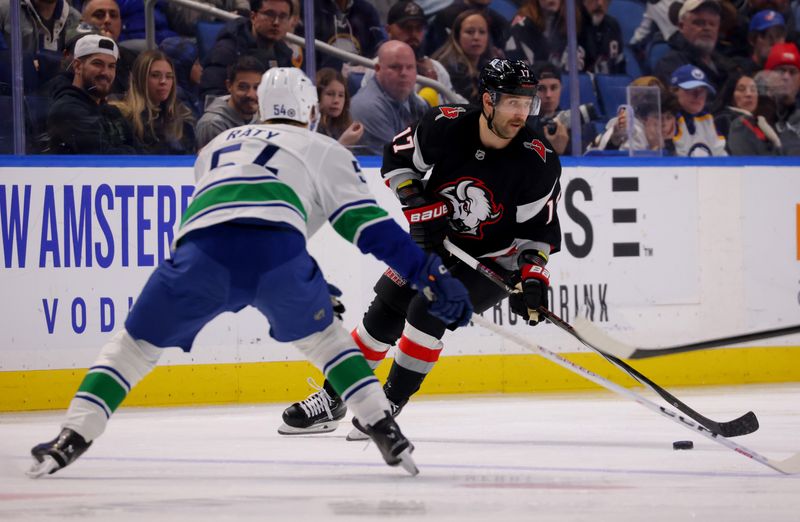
[451, 113]
[538, 147]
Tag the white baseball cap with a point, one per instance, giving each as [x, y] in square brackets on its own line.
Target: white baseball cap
[95, 43]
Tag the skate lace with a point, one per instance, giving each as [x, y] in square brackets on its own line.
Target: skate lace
[317, 402]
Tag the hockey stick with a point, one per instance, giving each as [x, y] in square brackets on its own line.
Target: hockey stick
[788, 466]
[747, 423]
[599, 338]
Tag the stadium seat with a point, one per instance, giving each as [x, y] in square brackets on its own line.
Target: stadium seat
[585, 86]
[611, 90]
[506, 8]
[656, 51]
[354, 82]
[632, 66]
[207, 33]
[629, 14]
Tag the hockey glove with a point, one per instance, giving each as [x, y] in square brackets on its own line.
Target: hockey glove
[449, 299]
[428, 223]
[336, 304]
[534, 286]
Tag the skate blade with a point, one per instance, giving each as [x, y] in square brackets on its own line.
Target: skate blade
[45, 467]
[325, 427]
[356, 435]
[407, 462]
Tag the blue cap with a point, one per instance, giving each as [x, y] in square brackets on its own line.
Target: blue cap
[765, 19]
[688, 77]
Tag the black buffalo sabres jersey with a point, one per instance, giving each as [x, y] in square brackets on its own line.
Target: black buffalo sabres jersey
[502, 201]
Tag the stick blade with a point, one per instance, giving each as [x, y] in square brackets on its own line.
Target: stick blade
[744, 425]
[790, 466]
[600, 340]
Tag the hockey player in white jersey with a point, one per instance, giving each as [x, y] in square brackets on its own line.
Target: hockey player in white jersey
[261, 191]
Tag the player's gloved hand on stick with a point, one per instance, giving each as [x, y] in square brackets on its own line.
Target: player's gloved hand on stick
[336, 303]
[427, 221]
[534, 286]
[449, 299]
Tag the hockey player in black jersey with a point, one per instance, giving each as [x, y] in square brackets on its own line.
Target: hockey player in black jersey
[493, 192]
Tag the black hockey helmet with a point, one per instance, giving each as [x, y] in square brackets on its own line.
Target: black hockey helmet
[508, 77]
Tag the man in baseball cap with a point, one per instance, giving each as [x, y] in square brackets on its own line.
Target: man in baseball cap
[783, 63]
[767, 28]
[698, 24]
[80, 120]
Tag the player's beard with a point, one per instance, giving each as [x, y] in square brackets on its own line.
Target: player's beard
[506, 131]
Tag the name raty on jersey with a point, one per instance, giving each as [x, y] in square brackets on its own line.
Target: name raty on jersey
[281, 174]
[502, 200]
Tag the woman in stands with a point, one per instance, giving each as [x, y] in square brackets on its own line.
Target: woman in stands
[465, 53]
[334, 108]
[161, 123]
[539, 34]
[738, 116]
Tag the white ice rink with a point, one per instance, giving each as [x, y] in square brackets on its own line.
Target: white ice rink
[583, 457]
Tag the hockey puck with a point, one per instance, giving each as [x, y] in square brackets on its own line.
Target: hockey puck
[682, 445]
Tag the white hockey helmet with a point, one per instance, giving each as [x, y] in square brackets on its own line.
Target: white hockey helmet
[286, 93]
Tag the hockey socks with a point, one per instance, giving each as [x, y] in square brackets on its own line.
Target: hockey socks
[122, 363]
[374, 350]
[347, 372]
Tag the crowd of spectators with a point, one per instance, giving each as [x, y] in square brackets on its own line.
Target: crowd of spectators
[725, 81]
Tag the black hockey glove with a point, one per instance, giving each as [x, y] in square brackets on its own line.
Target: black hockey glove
[427, 222]
[534, 286]
[336, 304]
[449, 299]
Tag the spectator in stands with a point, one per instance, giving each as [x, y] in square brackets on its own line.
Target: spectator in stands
[784, 64]
[350, 25]
[133, 26]
[656, 25]
[105, 16]
[766, 29]
[694, 43]
[545, 122]
[334, 108]
[407, 23]
[182, 51]
[44, 23]
[749, 8]
[466, 52]
[737, 117]
[161, 124]
[239, 107]
[261, 35]
[80, 120]
[601, 39]
[539, 34]
[695, 133]
[183, 20]
[386, 105]
[439, 31]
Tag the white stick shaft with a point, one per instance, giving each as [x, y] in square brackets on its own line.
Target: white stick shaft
[788, 466]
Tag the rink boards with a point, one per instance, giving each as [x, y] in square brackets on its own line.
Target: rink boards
[656, 253]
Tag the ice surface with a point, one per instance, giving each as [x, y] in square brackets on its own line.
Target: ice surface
[543, 457]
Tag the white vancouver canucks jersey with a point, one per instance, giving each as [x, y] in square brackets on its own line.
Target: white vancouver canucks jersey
[281, 173]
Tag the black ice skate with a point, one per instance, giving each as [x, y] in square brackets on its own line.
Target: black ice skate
[394, 446]
[58, 453]
[319, 413]
[358, 433]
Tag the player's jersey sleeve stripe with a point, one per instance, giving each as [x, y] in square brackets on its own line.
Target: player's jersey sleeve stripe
[419, 162]
[352, 221]
[244, 194]
[343, 208]
[529, 210]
